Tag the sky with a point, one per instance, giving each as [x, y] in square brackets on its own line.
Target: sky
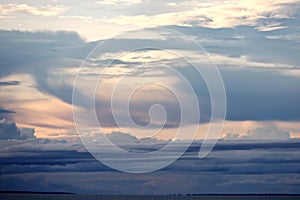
[150, 72]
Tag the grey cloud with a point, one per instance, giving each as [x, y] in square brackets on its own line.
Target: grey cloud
[9, 83]
[39, 54]
[261, 95]
[246, 40]
[27, 133]
[5, 111]
[244, 166]
[33, 50]
[9, 130]
[252, 94]
[117, 137]
[6, 114]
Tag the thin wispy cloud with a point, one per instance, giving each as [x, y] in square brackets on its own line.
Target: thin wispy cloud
[49, 10]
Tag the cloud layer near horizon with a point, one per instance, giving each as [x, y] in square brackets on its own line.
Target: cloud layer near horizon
[232, 167]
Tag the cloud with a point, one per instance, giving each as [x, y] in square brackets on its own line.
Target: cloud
[268, 133]
[4, 111]
[48, 10]
[290, 37]
[114, 16]
[9, 130]
[9, 83]
[36, 49]
[27, 133]
[118, 2]
[265, 98]
[232, 136]
[237, 45]
[243, 166]
[6, 114]
[41, 55]
[119, 138]
[125, 140]
[271, 26]
[262, 133]
[214, 14]
[52, 60]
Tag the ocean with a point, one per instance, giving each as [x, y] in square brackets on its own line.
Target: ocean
[141, 197]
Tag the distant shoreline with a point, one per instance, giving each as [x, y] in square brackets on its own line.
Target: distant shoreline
[69, 193]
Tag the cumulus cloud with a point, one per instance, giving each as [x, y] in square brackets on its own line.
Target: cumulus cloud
[232, 136]
[268, 133]
[119, 138]
[262, 133]
[9, 130]
[27, 133]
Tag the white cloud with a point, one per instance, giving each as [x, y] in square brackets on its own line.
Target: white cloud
[48, 10]
[293, 36]
[217, 14]
[77, 17]
[272, 26]
[268, 133]
[261, 133]
[116, 2]
[244, 61]
[111, 17]
[119, 138]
